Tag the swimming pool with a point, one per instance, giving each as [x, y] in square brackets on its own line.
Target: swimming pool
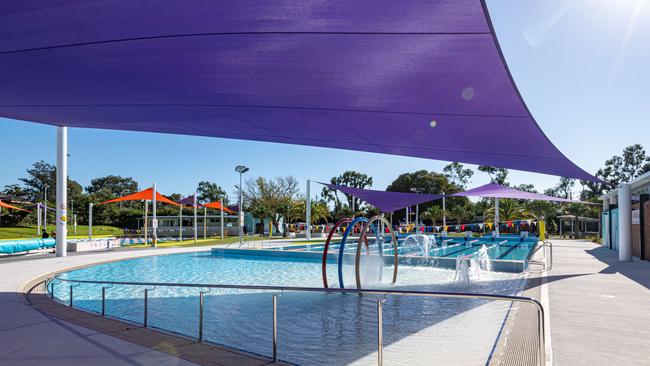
[314, 328]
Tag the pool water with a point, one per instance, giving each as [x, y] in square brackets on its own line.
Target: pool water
[513, 249]
[313, 328]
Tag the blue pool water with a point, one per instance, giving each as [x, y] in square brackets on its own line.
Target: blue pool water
[314, 328]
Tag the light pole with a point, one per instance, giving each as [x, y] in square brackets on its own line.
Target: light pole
[241, 169]
[417, 208]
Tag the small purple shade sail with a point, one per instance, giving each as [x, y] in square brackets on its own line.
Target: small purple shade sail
[499, 191]
[386, 201]
[420, 78]
[188, 201]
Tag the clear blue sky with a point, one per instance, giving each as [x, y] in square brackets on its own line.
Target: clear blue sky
[583, 67]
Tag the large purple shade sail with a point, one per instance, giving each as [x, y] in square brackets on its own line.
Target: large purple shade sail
[499, 191]
[418, 78]
[386, 201]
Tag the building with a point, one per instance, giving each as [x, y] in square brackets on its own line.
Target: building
[626, 219]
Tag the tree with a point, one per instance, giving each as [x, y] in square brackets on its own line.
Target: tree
[111, 186]
[430, 183]
[269, 198]
[633, 163]
[563, 188]
[497, 175]
[457, 174]
[433, 213]
[210, 192]
[41, 179]
[349, 178]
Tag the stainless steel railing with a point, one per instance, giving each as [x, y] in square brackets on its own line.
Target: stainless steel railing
[547, 264]
[50, 283]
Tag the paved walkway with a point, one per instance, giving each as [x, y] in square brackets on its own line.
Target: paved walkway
[599, 307]
[32, 337]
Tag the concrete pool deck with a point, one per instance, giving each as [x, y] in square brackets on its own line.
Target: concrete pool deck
[597, 308]
[35, 335]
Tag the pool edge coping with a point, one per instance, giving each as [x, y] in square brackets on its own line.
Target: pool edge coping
[183, 347]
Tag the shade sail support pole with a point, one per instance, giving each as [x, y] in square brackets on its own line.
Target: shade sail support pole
[221, 209]
[196, 228]
[496, 217]
[154, 221]
[146, 222]
[90, 220]
[180, 223]
[308, 211]
[61, 191]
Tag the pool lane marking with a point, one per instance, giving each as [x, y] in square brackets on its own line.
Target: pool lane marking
[510, 250]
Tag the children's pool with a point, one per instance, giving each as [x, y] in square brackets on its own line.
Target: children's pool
[313, 328]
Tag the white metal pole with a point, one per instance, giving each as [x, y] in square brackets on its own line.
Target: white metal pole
[221, 204]
[154, 221]
[444, 212]
[240, 214]
[624, 223]
[205, 222]
[308, 211]
[196, 233]
[180, 223]
[146, 222]
[75, 223]
[61, 191]
[407, 216]
[90, 220]
[417, 216]
[496, 216]
[45, 211]
[38, 219]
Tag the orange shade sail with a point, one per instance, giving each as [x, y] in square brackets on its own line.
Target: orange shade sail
[6, 205]
[217, 205]
[145, 195]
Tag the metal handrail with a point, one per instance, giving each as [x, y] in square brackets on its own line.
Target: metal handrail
[431, 294]
[549, 266]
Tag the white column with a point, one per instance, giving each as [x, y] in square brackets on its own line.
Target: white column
[154, 221]
[496, 216]
[196, 227]
[407, 216]
[205, 222]
[38, 220]
[61, 191]
[308, 211]
[180, 223]
[624, 223]
[221, 204]
[90, 220]
[444, 212]
[146, 222]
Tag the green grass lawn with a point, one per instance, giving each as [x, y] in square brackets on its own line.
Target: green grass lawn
[201, 242]
[26, 232]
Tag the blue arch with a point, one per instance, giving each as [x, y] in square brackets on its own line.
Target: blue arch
[342, 246]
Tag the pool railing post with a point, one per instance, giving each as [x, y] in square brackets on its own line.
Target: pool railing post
[146, 298]
[275, 328]
[70, 296]
[201, 316]
[380, 333]
[103, 301]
